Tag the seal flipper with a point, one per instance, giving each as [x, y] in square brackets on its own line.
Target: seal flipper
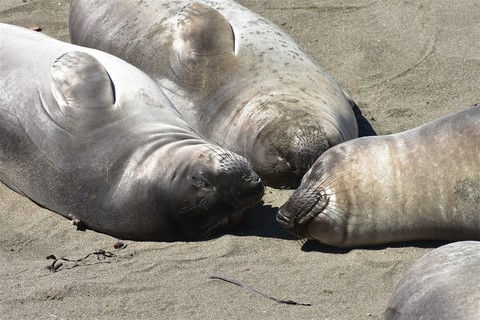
[204, 31]
[204, 46]
[81, 86]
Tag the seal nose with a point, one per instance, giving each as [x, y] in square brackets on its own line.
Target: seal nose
[293, 151]
[302, 146]
[303, 205]
[252, 188]
[242, 185]
[285, 218]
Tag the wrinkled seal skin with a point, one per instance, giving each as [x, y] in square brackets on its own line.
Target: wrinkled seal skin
[442, 285]
[93, 138]
[422, 184]
[238, 79]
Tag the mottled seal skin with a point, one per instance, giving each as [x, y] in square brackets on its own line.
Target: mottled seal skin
[442, 285]
[422, 184]
[93, 138]
[238, 79]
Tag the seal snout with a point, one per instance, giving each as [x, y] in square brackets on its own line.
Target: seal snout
[304, 144]
[244, 190]
[235, 181]
[300, 209]
[251, 187]
[295, 150]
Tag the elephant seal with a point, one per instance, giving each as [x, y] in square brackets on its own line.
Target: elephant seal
[444, 284]
[421, 184]
[96, 140]
[238, 79]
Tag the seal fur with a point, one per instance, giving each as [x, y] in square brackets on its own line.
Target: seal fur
[238, 79]
[421, 184]
[94, 139]
[444, 284]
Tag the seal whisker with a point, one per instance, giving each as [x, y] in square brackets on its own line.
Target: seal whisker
[196, 207]
[301, 241]
[208, 233]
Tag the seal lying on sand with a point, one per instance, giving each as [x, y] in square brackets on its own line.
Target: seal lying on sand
[238, 79]
[442, 285]
[421, 184]
[93, 138]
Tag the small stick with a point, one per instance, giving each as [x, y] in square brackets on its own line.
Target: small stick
[246, 286]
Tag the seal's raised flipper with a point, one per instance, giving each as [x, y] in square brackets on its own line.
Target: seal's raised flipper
[204, 44]
[204, 31]
[81, 86]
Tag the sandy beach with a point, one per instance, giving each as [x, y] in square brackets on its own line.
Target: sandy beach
[403, 62]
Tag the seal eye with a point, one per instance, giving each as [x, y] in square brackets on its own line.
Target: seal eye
[200, 181]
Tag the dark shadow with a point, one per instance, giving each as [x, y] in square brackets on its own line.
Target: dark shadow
[315, 246]
[364, 127]
[261, 221]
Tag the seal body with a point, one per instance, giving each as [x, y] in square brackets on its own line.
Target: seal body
[444, 284]
[93, 138]
[421, 184]
[238, 79]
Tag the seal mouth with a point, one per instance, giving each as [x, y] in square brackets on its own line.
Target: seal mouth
[279, 175]
[224, 201]
[250, 192]
[230, 220]
[300, 209]
[209, 218]
[306, 145]
[242, 188]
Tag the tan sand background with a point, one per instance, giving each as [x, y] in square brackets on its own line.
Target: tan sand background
[403, 62]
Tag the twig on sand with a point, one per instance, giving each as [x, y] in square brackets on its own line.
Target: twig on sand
[246, 286]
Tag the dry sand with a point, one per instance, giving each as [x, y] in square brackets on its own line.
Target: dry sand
[403, 62]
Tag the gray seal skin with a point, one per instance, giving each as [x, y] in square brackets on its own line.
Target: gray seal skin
[93, 138]
[238, 79]
[421, 184]
[442, 285]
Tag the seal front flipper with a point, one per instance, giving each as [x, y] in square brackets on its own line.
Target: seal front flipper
[203, 46]
[83, 90]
